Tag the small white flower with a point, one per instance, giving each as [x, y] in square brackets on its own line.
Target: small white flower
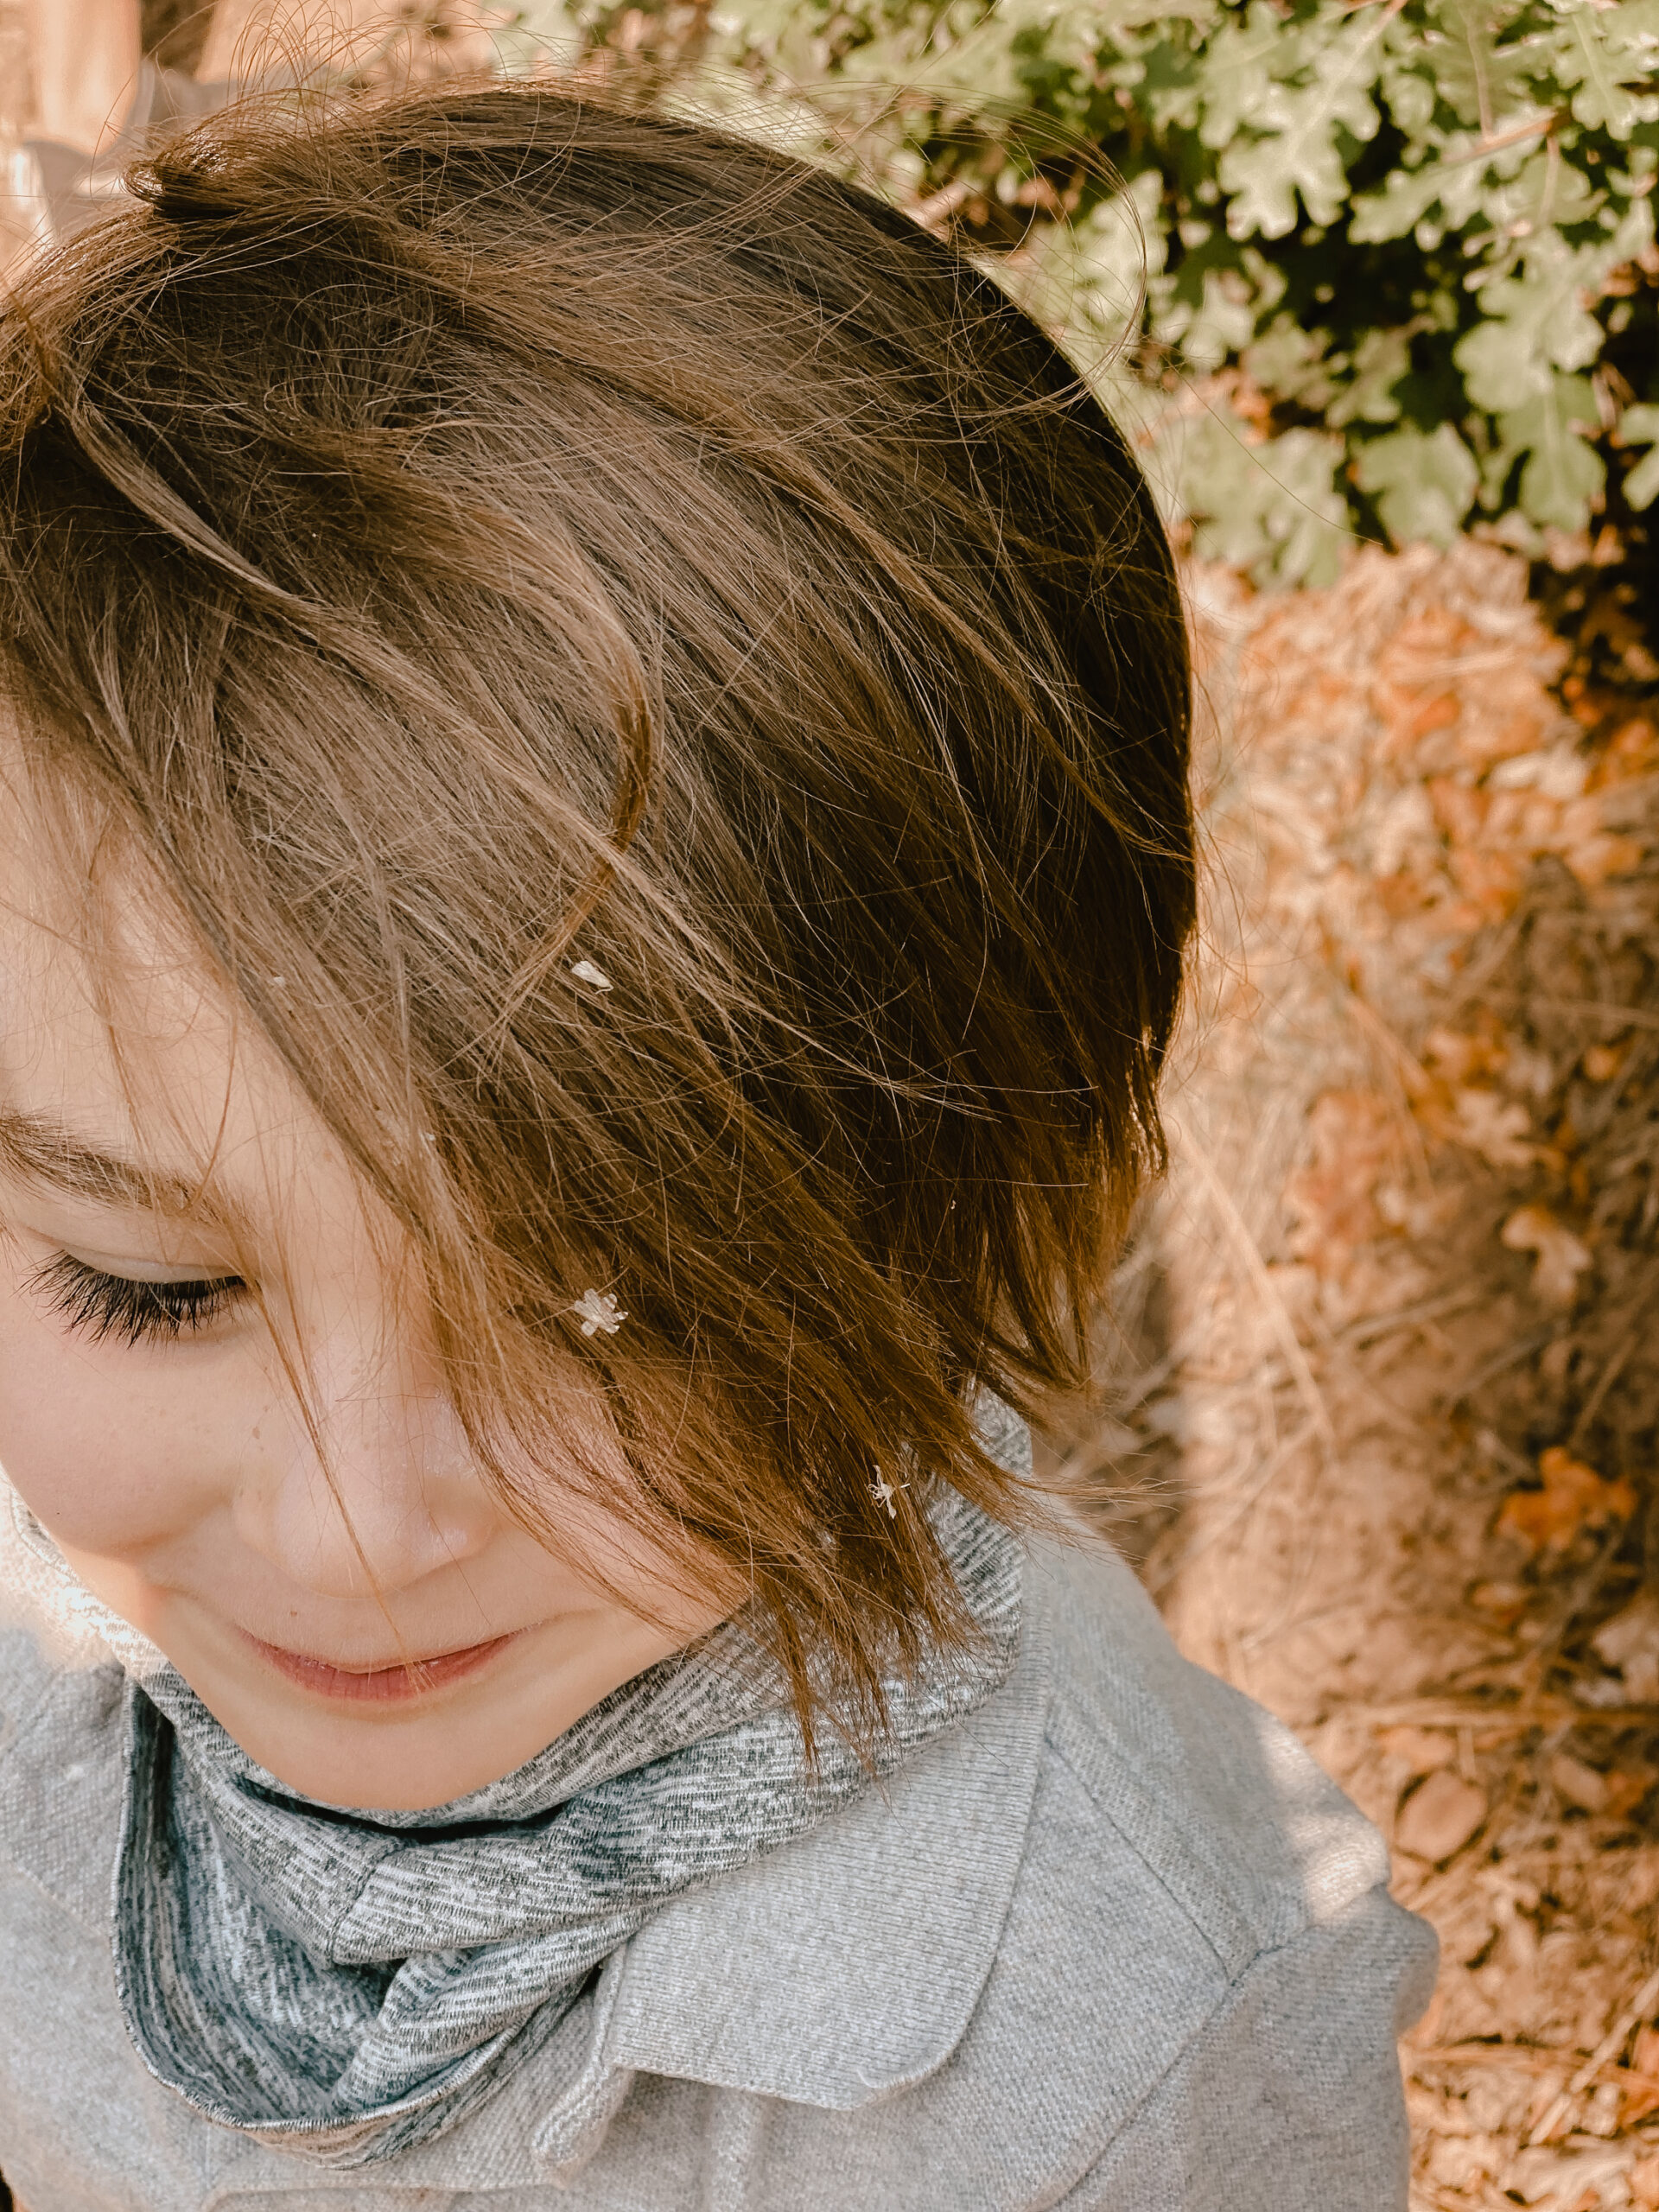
[884, 1494]
[586, 972]
[599, 1310]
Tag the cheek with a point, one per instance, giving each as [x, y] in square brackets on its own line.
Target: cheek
[650, 1580]
[113, 1452]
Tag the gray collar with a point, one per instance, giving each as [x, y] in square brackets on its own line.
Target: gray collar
[847, 1967]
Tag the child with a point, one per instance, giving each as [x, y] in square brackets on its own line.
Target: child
[597, 863]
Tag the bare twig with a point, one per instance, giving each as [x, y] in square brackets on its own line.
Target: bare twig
[1516, 135]
[1627, 1017]
[1261, 1282]
[1512, 1356]
[1610, 1374]
[1635, 2012]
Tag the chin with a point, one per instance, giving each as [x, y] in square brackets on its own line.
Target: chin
[398, 1759]
[364, 1767]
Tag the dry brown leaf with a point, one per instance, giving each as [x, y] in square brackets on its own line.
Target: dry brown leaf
[1601, 1063]
[1626, 1787]
[1419, 1751]
[1630, 1644]
[1440, 1816]
[1504, 738]
[1466, 2161]
[1562, 1257]
[1601, 857]
[1570, 2177]
[1572, 1497]
[1578, 1785]
[1460, 808]
[1545, 2098]
[1499, 1129]
[1631, 751]
[1504, 1602]
[1466, 1056]
[1410, 714]
[1635, 1629]
[1491, 884]
[1334, 1200]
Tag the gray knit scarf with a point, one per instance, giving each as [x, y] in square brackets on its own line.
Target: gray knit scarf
[344, 1985]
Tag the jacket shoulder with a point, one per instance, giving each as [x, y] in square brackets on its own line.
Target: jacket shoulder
[61, 1772]
[26, 1674]
[1184, 1858]
[1215, 1796]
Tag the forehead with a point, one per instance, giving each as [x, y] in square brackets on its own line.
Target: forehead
[111, 1024]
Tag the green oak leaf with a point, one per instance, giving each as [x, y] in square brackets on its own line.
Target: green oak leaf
[1424, 482]
[1639, 426]
[1273, 509]
[1236, 75]
[1381, 358]
[1290, 362]
[1467, 287]
[1223, 322]
[1563, 476]
[1408, 90]
[1305, 515]
[1394, 212]
[1477, 77]
[1609, 57]
[1533, 324]
[1297, 150]
[1503, 367]
[1642, 485]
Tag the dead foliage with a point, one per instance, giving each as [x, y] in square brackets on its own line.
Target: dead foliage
[1380, 1384]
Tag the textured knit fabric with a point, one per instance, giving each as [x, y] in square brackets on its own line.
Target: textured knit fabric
[347, 1984]
[1110, 1943]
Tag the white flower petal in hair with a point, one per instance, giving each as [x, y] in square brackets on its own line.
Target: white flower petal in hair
[884, 1494]
[586, 972]
[599, 1310]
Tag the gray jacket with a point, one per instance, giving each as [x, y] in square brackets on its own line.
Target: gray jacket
[1113, 1944]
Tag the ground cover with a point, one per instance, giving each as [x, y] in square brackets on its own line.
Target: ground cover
[1377, 1404]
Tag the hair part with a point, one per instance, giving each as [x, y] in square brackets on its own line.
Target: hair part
[687, 690]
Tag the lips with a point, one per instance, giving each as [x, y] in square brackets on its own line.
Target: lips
[396, 1684]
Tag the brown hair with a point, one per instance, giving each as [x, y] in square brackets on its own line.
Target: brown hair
[473, 534]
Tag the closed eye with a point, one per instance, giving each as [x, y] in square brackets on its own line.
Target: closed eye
[98, 1304]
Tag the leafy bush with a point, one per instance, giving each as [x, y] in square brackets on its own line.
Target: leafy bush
[1400, 264]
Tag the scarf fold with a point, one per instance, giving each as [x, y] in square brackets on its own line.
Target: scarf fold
[345, 1985]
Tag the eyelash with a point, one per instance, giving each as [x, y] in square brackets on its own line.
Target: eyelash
[101, 1306]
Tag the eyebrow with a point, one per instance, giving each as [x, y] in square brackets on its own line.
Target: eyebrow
[34, 1149]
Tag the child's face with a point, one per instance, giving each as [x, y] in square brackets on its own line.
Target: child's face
[176, 1469]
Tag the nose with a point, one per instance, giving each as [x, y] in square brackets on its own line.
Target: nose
[365, 1485]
